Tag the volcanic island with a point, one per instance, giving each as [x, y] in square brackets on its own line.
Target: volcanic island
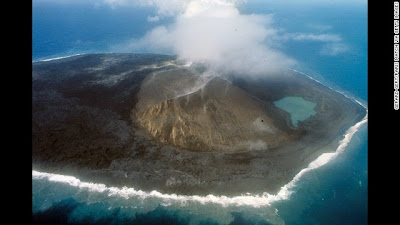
[153, 122]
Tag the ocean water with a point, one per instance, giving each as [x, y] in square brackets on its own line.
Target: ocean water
[331, 191]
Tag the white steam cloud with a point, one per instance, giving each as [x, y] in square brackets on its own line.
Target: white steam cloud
[314, 37]
[217, 34]
[333, 43]
[153, 19]
[165, 7]
[333, 49]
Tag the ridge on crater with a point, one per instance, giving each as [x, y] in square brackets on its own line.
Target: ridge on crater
[214, 115]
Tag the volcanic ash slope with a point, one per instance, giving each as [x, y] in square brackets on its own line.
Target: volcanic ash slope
[201, 113]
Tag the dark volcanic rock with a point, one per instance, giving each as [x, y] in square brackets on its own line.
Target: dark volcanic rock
[149, 122]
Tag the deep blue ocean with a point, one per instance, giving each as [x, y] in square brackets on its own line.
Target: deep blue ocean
[335, 193]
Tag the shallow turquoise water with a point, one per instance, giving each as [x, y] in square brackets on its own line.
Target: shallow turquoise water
[298, 108]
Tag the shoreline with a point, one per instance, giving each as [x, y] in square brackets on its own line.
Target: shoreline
[244, 199]
[231, 182]
[282, 193]
[57, 58]
[338, 91]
